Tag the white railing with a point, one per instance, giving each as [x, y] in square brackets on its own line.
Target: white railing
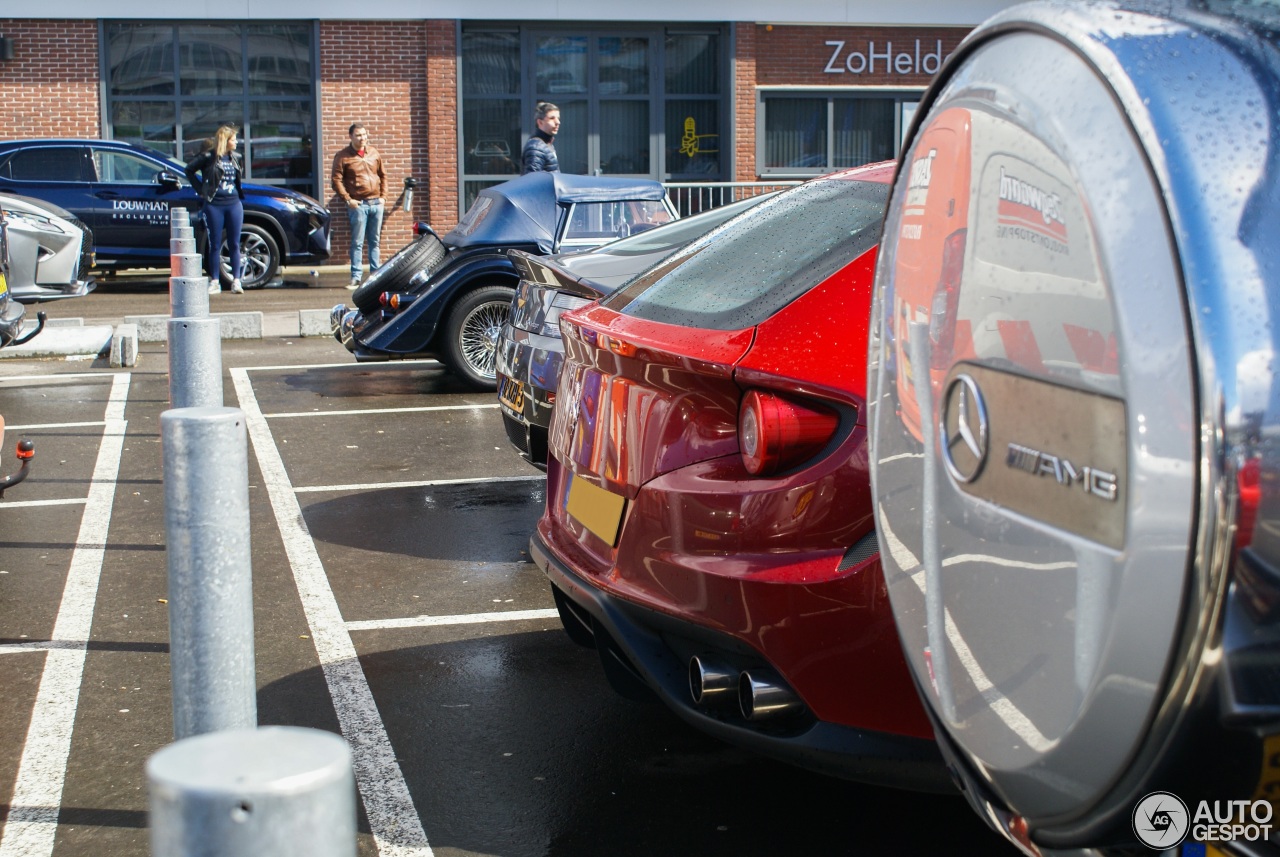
[692, 197]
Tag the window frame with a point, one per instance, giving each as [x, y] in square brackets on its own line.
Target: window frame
[905, 99]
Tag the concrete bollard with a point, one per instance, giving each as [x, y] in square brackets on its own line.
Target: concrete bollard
[179, 215]
[179, 246]
[281, 791]
[195, 363]
[189, 297]
[186, 265]
[178, 231]
[206, 516]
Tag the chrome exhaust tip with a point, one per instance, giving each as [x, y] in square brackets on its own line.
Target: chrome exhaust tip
[710, 682]
[763, 696]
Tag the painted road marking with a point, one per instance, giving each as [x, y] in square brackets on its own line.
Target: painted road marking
[37, 794]
[393, 819]
[19, 504]
[350, 365]
[463, 619]
[429, 483]
[55, 426]
[367, 411]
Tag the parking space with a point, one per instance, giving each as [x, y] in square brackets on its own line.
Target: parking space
[394, 602]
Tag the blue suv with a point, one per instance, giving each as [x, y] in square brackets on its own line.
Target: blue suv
[124, 193]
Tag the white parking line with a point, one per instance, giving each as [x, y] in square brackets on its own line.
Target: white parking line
[55, 426]
[36, 646]
[69, 376]
[393, 819]
[20, 504]
[371, 486]
[349, 365]
[37, 794]
[463, 619]
[365, 411]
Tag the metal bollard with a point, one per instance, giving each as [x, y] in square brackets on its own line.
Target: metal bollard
[189, 297]
[281, 791]
[180, 231]
[195, 363]
[179, 215]
[178, 246]
[186, 265]
[206, 517]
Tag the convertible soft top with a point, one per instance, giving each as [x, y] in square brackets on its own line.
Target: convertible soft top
[526, 210]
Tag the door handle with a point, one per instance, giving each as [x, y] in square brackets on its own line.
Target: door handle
[107, 194]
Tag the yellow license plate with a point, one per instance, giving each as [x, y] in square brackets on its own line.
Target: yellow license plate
[598, 510]
[511, 394]
[4, 284]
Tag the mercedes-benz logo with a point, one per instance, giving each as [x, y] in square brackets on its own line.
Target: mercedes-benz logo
[964, 429]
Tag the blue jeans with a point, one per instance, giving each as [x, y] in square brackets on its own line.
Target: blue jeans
[220, 219]
[365, 220]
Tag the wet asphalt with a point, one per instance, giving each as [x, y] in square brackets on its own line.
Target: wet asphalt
[505, 733]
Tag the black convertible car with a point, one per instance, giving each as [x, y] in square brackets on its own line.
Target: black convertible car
[448, 297]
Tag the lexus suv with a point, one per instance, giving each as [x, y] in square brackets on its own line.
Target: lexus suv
[123, 193]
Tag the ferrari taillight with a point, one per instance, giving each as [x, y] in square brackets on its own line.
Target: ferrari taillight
[775, 433]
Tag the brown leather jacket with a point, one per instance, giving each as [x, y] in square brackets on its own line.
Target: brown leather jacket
[354, 177]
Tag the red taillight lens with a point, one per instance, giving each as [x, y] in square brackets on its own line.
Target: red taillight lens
[26, 450]
[396, 300]
[775, 433]
[1248, 479]
[946, 301]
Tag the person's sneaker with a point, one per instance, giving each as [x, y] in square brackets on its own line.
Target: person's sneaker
[215, 288]
[236, 287]
[353, 285]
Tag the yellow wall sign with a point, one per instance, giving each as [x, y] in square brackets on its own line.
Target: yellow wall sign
[691, 142]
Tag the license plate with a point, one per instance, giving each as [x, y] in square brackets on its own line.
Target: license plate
[4, 284]
[598, 510]
[511, 394]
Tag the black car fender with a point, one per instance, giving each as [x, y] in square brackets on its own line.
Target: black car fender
[412, 330]
[258, 217]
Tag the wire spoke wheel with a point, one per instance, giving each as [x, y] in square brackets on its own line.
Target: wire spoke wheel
[471, 332]
[479, 336]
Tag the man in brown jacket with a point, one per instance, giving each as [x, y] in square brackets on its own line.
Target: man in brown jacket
[358, 178]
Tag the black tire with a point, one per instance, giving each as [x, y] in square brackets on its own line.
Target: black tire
[423, 254]
[470, 334]
[259, 258]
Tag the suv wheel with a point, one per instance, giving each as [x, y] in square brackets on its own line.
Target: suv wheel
[259, 258]
[471, 332]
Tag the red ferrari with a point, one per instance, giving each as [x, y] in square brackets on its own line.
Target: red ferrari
[709, 522]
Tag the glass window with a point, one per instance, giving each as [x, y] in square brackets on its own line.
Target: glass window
[471, 191]
[561, 65]
[753, 267]
[571, 142]
[145, 123]
[47, 164]
[595, 220]
[124, 168]
[623, 66]
[863, 131]
[693, 64]
[491, 63]
[693, 138]
[200, 120]
[491, 136]
[279, 59]
[209, 60]
[140, 59]
[812, 134]
[795, 133]
[624, 137]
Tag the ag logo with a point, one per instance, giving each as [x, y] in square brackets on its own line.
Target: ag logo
[1161, 820]
[964, 429]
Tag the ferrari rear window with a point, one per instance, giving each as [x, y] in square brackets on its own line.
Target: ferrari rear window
[740, 275]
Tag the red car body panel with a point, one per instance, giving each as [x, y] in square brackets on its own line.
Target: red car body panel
[649, 411]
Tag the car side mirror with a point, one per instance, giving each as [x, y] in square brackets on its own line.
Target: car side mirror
[166, 179]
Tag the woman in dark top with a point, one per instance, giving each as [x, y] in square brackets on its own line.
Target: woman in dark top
[218, 184]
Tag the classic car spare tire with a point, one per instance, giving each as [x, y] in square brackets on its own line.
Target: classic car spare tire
[259, 258]
[423, 254]
[471, 331]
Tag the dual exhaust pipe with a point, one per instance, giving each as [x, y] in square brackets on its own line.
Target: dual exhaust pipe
[760, 694]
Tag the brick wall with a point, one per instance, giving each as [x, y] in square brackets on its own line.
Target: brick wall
[374, 72]
[442, 120]
[800, 56]
[50, 87]
[744, 103]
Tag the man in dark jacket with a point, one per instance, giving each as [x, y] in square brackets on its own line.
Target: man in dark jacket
[539, 154]
[358, 178]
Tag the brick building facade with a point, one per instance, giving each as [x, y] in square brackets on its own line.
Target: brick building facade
[406, 90]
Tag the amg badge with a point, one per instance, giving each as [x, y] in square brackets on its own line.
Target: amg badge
[1099, 483]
